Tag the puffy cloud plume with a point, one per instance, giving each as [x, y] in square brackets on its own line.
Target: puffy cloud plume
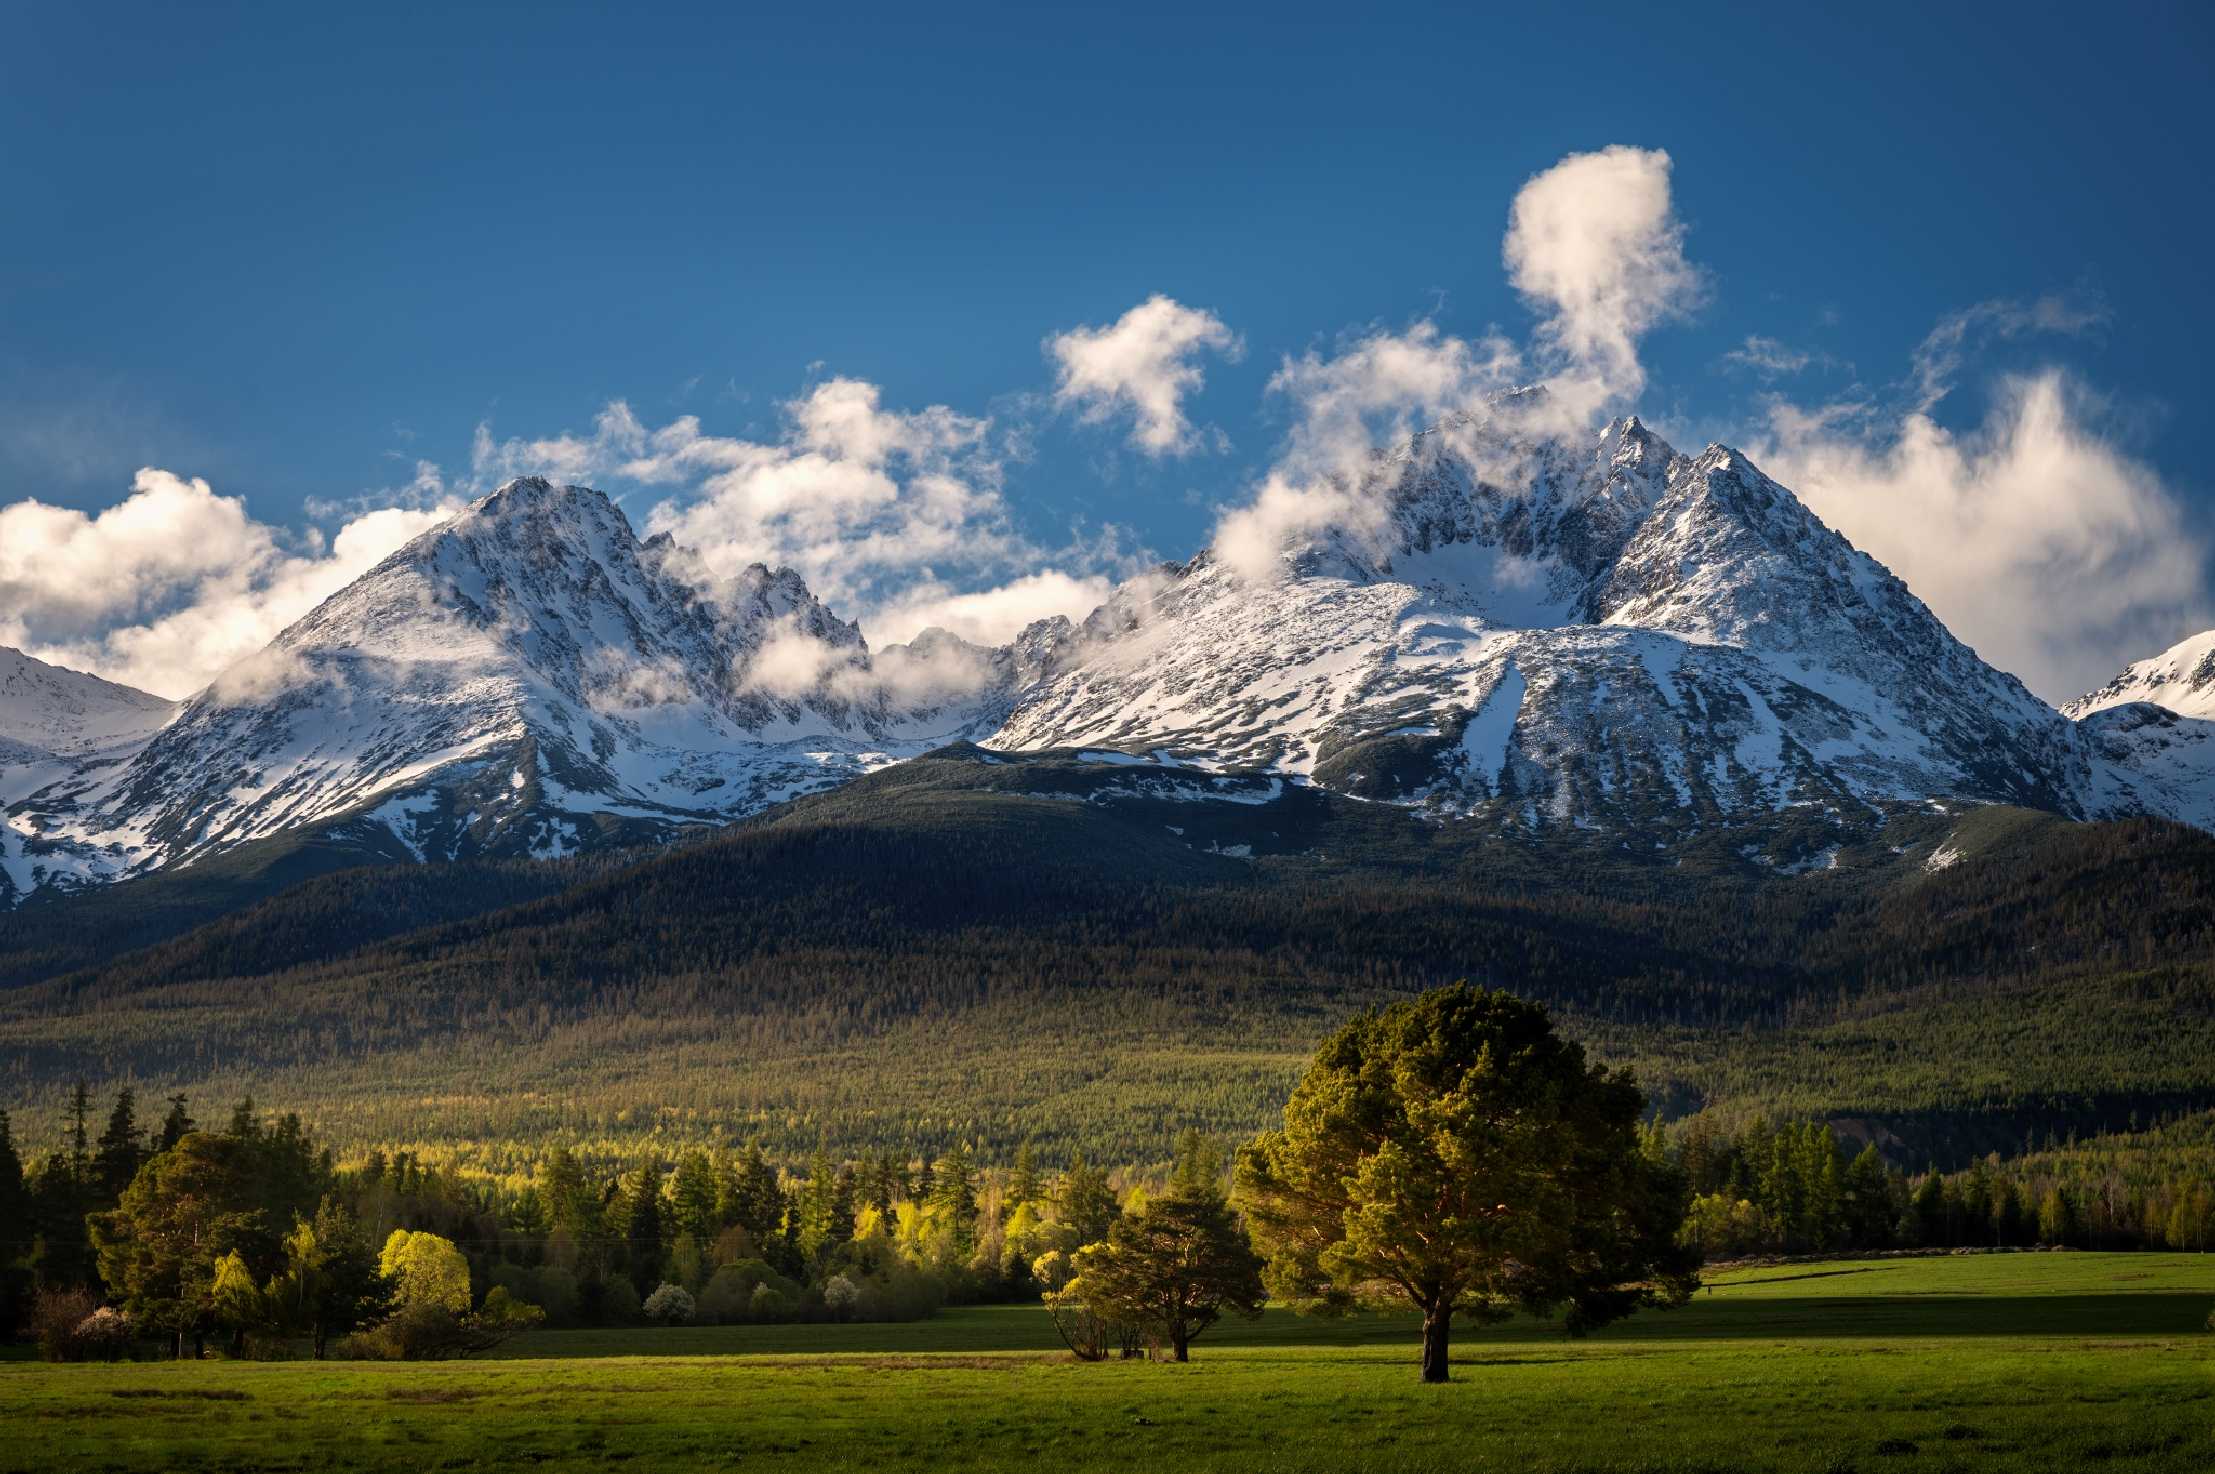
[1143, 364]
[1593, 243]
[1378, 390]
[1596, 246]
[893, 517]
[2047, 548]
[174, 583]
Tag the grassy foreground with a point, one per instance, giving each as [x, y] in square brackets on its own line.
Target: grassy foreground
[2005, 1362]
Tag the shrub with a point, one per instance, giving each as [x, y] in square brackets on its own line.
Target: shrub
[104, 1335]
[669, 1305]
[55, 1317]
[840, 1296]
[435, 1333]
[731, 1297]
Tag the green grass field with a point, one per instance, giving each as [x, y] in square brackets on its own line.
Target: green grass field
[2005, 1362]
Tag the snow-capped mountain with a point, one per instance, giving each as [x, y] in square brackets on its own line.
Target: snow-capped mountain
[528, 678]
[67, 712]
[1509, 629]
[2155, 722]
[2181, 678]
[1626, 635]
[55, 723]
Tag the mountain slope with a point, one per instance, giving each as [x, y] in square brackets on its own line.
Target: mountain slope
[1629, 639]
[54, 725]
[1606, 637]
[2181, 678]
[526, 679]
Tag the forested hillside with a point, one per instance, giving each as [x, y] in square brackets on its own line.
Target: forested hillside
[969, 950]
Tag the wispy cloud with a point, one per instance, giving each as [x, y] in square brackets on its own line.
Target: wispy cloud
[2034, 534]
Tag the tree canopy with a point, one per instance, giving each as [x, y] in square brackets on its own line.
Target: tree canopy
[1454, 1153]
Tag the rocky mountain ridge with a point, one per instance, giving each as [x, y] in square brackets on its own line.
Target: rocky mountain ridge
[1605, 637]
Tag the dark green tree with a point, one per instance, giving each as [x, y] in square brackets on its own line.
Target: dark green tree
[1454, 1153]
[186, 1209]
[642, 1225]
[331, 1283]
[1173, 1268]
[119, 1154]
[174, 1126]
[953, 1199]
[1085, 1204]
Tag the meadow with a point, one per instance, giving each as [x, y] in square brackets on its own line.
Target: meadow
[2017, 1362]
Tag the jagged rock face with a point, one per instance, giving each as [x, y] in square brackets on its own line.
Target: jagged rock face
[2181, 678]
[528, 678]
[1629, 639]
[1607, 636]
[55, 726]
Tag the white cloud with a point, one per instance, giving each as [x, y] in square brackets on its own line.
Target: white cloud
[2038, 541]
[173, 584]
[1379, 390]
[894, 518]
[1595, 244]
[1596, 247]
[992, 616]
[1769, 358]
[1144, 364]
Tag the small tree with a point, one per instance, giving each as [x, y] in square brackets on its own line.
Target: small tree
[425, 1270]
[1083, 1330]
[1172, 1268]
[1453, 1153]
[669, 1305]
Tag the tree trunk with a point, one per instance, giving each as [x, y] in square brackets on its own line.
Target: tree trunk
[1437, 1323]
[1179, 1344]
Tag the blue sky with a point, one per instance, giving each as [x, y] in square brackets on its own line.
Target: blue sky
[295, 254]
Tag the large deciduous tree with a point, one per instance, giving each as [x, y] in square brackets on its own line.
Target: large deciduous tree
[1454, 1153]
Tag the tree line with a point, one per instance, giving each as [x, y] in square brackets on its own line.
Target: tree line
[1463, 1108]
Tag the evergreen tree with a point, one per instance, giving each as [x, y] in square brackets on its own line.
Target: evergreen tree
[17, 1232]
[692, 1194]
[1454, 1153]
[1023, 1184]
[642, 1226]
[953, 1199]
[176, 1124]
[119, 1156]
[1173, 1268]
[1198, 1167]
[1085, 1204]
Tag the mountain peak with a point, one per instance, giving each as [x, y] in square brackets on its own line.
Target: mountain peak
[2181, 678]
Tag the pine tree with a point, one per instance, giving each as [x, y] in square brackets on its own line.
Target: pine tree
[642, 1225]
[174, 1125]
[117, 1160]
[17, 1230]
[1085, 1204]
[1023, 1184]
[953, 1199]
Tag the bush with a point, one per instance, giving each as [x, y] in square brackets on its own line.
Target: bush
[104, 1335]
[840, 1296]
[55, 1317]
[550, 1287]
[731, 1294]
[669, 1305]
[617, 1303]
[434, 1333]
